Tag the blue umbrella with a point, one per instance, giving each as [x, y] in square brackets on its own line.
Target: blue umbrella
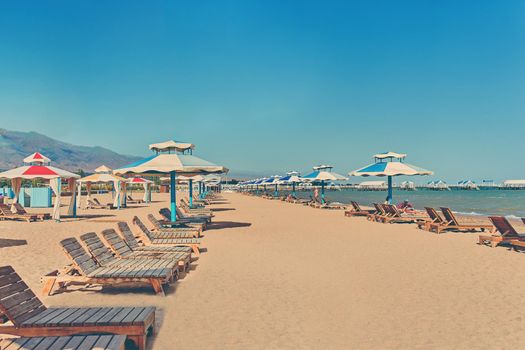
[390, 164]
[323, 173]
[292, 177]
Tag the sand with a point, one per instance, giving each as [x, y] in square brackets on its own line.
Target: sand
[283, 276]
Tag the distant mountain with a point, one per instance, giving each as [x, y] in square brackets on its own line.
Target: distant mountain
[16, 145]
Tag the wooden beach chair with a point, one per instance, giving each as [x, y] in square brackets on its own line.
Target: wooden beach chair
[28, 317]
[105, 258]
[507, 233]
[357, 211]
[452, 224]
[150, 238]
[7, 214]
[194, 211]
[20, 210]
[123, 251]
[396, 216]
[130, 200]
[95, 204]
[137, 245]
[84, 270]
[433, 218]
[179, 231]
[73, 342]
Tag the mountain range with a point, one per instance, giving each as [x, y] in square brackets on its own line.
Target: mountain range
[16, 145]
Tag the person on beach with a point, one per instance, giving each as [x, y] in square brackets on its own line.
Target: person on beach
[405, 206]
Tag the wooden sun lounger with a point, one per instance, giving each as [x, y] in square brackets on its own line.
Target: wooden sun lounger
[96, 205]
[28, 317]
[357, 211]
[105, 258]
[396, 216]
[20, 210]
[130, 200]
[85, 271]
[174, 232]
[452, 224]
[137, 245]
[7, 214]
[150, 239]
[433, 218]
[197, 205]
[507, 233]
[192, 217]
[185, 221]
[379, 215]
[122, 250]
[75, 342]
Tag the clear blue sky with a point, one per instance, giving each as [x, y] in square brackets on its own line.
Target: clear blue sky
[275, 85]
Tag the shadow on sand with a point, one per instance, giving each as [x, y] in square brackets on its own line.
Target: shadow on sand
[4, 242]
[219, 225]
[222, 209]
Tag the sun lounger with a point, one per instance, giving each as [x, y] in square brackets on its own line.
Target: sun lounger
[165, 239]
[184, 231]
[130, 200]
[433, 218]
[74, 342]
[28, 317]
[396, 216]
[194, 211]
[104, 257]
[84, 270]
[380, 213]
[123, 251]
[357, 211]
[95, 204]
[137, 245]
[7, 214]
[452, 224]
[20, 210]
[507, 233]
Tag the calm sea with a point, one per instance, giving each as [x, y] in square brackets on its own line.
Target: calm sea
[484, 202]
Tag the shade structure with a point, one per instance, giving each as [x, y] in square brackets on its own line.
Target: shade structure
[273, 180]
[390, 164]
[171, 159]
[292, 177]
[146, 184]
[37, 167]
[103, 174]
[323, 174]
[172, 145]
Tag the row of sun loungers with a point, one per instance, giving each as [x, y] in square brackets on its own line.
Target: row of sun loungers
[18, 212]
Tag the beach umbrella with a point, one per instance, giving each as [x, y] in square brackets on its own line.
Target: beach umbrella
[103, 174]
[273, 180]
[390, 164]
[292, 177]
[190, 180]
[37, 166]
[323, 173]
[173, 158]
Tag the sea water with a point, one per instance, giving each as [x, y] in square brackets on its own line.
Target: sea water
[484, 202]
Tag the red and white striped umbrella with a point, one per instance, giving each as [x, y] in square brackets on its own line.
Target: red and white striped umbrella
[37, 172]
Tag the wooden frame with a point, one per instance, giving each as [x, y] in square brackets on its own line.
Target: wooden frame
[451, 223]
[357, 211]
[28, 317]
[20, 210]
[6, 213]
[507, 233]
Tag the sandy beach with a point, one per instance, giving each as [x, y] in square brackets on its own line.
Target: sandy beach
[276, 275]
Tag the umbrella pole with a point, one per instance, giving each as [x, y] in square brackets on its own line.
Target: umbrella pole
[191, 193]
[173, 197]
[293, 189]
[276, 192]
[322, 191]
[389, 196]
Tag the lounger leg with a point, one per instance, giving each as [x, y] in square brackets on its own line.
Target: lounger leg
[48, 286]
[139, 340]
[157, 286]
[195, 249]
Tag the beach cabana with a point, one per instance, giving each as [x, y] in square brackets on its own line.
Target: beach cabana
[173, 158]
[145, 183]
[323, 174]
[37, 166]
[103, 174]
[390, 164]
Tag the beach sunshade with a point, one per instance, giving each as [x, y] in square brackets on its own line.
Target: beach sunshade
[390, 164]
[103, 169]
[177, 163]
[323, 174]
[42, 170]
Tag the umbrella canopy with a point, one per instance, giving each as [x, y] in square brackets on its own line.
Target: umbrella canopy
[323, 173]
[103, 169]
[103, 174]
[102, 177]
[138, 180]
[177, 163]
[390, 164]
[37, 167]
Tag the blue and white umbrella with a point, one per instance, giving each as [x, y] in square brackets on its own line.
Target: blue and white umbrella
[172, 158]
[293, 177]
[273, 180]
[390, 164]
[323, 174]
